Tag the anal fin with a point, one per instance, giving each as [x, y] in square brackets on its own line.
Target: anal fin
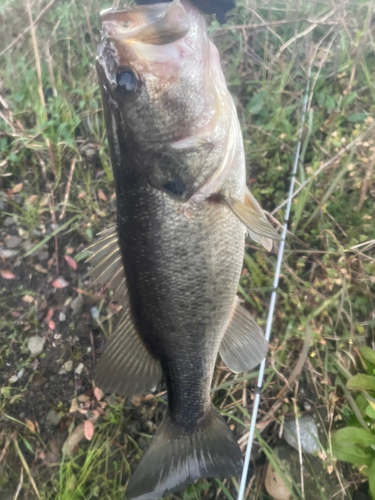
[243, 346]
[126, 367]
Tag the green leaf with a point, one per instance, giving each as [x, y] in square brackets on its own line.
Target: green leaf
[368, 353]
[370, 412]
[82, 255]
[357, 117]
[330, 102]
[354, 435]
[361, 382]
[353, 454]
[372, 479]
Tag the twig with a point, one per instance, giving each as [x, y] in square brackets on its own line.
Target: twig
[54, 233]
[6, 446]
[366, 183]
[19, 487]
[66, 197]
[328, 163]
[298, 439]
[37, 19]
[303, 33]
[36, 55]
[25, 466]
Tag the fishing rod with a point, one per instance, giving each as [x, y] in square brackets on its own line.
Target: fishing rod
[274, 294]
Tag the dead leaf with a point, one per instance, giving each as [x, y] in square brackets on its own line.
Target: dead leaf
[28, 298]
[137, 400]
[88, 429]
[30, 425]
[71, 262]
[74, 405]
[71, 444]
[60, 283]
[98, 393]
[51, 325]
[101, 195]
[16, 189]
[32, 198]
[40, 269]
[7, 275]
[82, 398]
[49, 315]
[81, 195]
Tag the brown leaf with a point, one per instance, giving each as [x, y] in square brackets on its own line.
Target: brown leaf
[7, 275]
[49, 315]
[17, 188]
[98, 393]
[28, 299]
[60, 283]
[30, 425]
[101, 195]
[71, 262]
[40, 269]
[32, 198]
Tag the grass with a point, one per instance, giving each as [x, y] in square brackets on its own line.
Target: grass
[52, 140]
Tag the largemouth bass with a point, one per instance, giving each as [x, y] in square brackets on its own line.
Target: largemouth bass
[175, 258]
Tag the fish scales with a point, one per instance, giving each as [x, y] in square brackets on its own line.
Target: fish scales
[182, 279]
[183, 209]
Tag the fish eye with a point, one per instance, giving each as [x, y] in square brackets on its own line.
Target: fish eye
[126, 80]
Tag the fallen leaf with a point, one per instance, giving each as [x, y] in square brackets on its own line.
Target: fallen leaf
[82, 398]
[49, 315]
[101, 195]
[137, 400]
[30, 425]
[98, 393]
[40, 269]
[51, 325]
[71, 444]
[28, 298]
[71, 262]
[32, 198]
[17, 188]
[50, 262]
[81, 195]
[60, 283]
[74, 405]
[7, 275]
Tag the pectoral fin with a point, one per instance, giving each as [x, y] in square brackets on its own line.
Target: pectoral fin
[252, 216]
[108, 269]
[243, 346]
[126, 367]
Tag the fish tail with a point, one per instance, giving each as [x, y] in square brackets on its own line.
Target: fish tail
[177, 456]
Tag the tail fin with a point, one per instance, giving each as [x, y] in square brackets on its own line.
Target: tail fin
[178, 456]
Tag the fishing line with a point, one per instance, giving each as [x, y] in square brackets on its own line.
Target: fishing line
[274, 294]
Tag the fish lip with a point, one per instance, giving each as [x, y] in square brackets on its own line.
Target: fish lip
[154, 24]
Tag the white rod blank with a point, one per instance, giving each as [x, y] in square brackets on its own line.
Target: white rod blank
[273, 296]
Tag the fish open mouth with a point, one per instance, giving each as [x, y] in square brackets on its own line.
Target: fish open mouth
[156, 24]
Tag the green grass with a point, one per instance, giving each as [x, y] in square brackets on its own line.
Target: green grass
[52, 128]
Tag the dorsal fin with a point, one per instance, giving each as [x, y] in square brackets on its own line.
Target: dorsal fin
[243, 346]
